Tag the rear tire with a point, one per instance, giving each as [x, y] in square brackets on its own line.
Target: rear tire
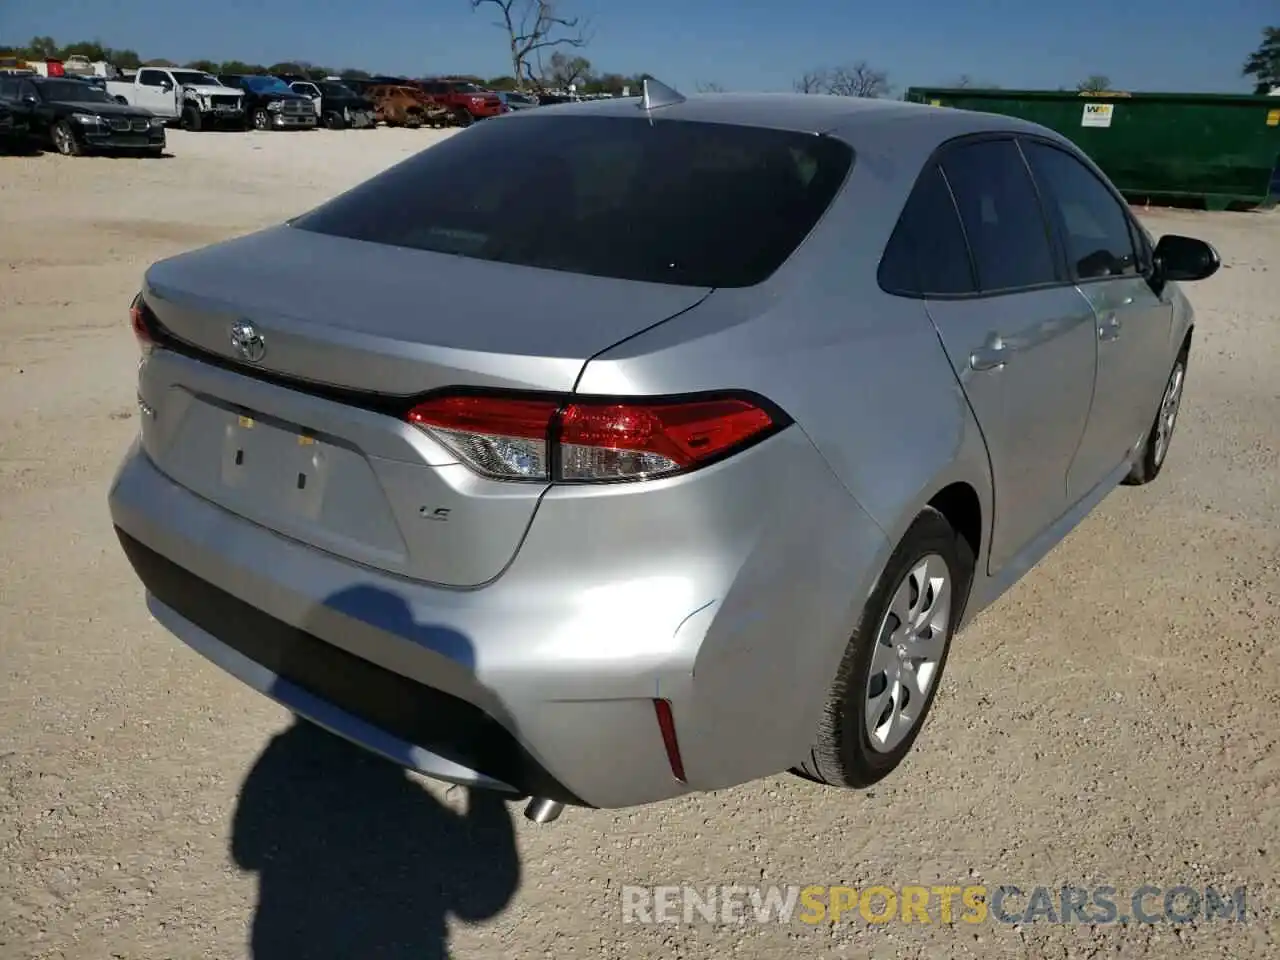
[1155, 449]
[886, 661]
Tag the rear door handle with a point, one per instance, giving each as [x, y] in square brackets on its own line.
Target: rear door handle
[1109, 329]
[992, 356]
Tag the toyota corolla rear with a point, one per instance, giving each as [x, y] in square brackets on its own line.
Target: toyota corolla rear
[365, 485]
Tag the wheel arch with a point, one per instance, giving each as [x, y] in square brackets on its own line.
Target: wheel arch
[960, 504]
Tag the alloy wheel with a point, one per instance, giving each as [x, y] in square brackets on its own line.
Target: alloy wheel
[1168, 415]
[909, 648]
[62, 140]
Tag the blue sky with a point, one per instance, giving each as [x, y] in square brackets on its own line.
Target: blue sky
[740, 44]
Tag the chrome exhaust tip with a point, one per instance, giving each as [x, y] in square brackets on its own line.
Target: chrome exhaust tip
[543, 811]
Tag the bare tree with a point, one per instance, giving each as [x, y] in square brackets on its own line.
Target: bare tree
[1094, 83]
[710, 87]
[563, 71]
[857, 80]
[533, 26]
[966, 81]
[812, 81]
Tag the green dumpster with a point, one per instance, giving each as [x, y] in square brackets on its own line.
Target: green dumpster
[1217, 149]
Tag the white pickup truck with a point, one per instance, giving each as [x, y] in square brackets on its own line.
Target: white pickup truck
[192, 97]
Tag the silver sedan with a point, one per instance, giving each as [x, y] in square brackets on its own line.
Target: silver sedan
[667, 448]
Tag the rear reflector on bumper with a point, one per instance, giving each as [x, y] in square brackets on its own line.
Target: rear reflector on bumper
[667, 724]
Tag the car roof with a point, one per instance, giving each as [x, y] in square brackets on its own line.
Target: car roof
[807, 113]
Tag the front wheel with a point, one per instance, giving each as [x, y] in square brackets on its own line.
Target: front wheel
[64, 139]
[261, 120]
[893, 664]
[462, 118]
[1156, 447]
[191, 119]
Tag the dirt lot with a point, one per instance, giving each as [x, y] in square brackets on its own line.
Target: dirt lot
[1112, 721]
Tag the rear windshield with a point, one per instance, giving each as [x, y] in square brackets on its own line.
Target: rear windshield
[699, 204]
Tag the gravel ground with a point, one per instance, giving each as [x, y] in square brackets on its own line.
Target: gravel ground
[1113, 720]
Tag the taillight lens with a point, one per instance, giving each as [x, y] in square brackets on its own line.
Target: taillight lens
[584, 440]
[498, 437]
[621, 441]
[140, 321]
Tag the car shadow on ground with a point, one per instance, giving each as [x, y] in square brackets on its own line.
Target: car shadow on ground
[356, 859]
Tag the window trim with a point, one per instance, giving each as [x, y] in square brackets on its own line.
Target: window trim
[1136, 241]
[908, 239]
[935, 159]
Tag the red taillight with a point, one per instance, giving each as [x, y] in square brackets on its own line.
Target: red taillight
[581, 439]
[141, 327]
[619, 441]
[497, 436]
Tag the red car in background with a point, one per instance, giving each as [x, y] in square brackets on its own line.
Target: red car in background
[465, 101]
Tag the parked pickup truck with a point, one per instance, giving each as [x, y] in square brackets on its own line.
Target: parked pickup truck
[191, 97]
[337, 107]
[270, 103]
[465, 101]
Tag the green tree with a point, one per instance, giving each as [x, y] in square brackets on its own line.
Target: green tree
[1094, 83]
[42, 48]
[1264, 63]
[353, 74]
[239, 66]
[208, 66]
[89, 49]
[124, 59]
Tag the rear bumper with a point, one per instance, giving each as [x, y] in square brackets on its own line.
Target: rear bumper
[541, 683]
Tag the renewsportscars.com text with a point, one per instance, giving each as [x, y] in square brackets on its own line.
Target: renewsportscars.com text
[936, 904]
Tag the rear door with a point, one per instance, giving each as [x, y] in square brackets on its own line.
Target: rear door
[1106, 257]
[1020, 338]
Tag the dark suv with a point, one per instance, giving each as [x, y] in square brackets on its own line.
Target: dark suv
[269, 104]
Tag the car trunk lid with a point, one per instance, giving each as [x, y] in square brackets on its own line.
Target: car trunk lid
[309, 438]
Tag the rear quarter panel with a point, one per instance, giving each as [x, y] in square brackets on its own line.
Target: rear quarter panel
[867, 381]
[862, 373]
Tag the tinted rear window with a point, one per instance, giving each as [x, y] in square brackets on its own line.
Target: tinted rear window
[678, 202]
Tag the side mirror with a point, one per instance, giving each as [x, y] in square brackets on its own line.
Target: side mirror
[1185, 258]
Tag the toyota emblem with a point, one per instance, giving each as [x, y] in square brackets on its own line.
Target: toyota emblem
[249, 343]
